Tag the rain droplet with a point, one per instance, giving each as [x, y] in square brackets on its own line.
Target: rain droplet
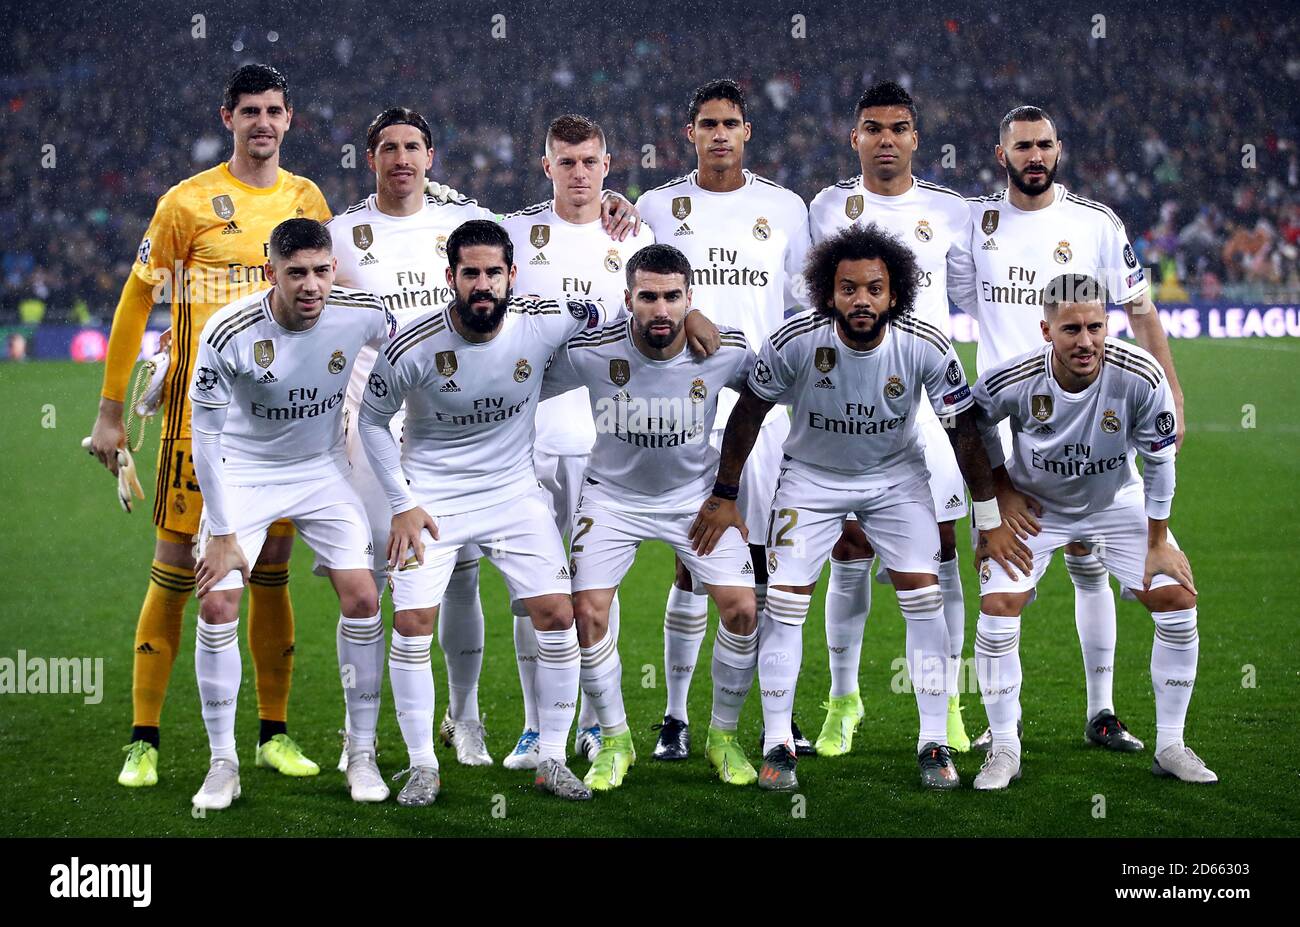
[273, 36]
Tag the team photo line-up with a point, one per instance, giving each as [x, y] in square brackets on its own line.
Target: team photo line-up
[420, 382]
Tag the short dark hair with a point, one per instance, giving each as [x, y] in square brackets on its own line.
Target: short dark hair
[885, 93]
[397, 116]
[1073, 288]
[658, 259]
[862, 243]
[478, 232]
[722, 89]
[1024, 114]
[294, 235]
[573, 129]
[254, 78]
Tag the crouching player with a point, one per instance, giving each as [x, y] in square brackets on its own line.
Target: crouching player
[1078, 406]
[268, 445]
[853, 370]
[654, 403]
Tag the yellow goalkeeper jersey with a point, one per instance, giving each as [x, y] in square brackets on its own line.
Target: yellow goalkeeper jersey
[207, 243]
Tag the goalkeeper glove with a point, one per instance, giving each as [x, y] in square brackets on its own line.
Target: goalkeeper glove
[128, 483]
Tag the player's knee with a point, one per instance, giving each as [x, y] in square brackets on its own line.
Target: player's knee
[215, 608]
[591, 619]
[739, 616]
[852, 544]
[362, 603]
[414, 622]
[1170, 599]
[174, 549]
[551, 613]
[947, 541]
[1003, 604]
[1078, 549]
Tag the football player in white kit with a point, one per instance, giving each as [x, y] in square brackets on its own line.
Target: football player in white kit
[470, 375]
[1078, 408]
[1022, 237]
[267, 401]
[651, 468]
[854, 371]
[394, 244]
[746, 238]
[933, 221]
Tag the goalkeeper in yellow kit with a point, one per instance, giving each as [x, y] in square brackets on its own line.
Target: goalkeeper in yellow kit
[206, 247]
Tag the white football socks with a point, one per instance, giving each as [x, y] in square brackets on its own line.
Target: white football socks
[526, 655]
[734, 658]
[1094, 618]
[460, 635]
[588, 716]
[218, 668]
[954, 618]
[780, 654]
[601, 677]
[927, 660]
[1174, 653]
[558, 663]
[686, 618]
[411, 675]
[997, 659]
[848, 601]
[361, 667]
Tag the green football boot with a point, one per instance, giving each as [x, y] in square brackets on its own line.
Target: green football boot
[615, 757]
[141, 766]
[727, 759]
[281, 753]
[843, 715]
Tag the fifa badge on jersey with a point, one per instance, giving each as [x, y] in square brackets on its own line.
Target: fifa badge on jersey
[1040, 406]
[363, 236]
[620, 371]
[681, 207]
[989, 224]
[894, 388]
[223, 206]
[698, 390]
[337, 362]
[762, 231]
[923, 231]
[264, 353]
[1110, 422]
[1062, 254]
[613, 263]
[539, 236]
[953, 374]
[523, 370]
[446, 363]
[441, 246]
[854, 206]
[824, 359]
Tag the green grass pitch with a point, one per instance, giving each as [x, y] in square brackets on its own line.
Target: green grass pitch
[76, 567]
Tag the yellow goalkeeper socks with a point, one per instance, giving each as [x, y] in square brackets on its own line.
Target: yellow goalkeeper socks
[270, 639]
[157, 639]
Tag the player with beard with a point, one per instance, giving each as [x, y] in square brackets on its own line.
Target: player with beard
[470, 375]
[854, 370]
[933, 221]
[746, 238]
[1020, 238]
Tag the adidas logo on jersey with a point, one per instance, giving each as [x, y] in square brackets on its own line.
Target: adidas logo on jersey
[367, 260]
[989, 245]
[824, 383]
[370, 549]
[563, 573]
[267, 377]
[683, 229]
[449, 387]
[232, 229]
[1044, 430]
[953, 503]
[747, 569]
[539, 260]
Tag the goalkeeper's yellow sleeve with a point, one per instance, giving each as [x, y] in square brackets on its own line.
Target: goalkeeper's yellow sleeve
[129, 323]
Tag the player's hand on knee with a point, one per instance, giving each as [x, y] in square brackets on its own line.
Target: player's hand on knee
[405, 534]
[1010, 553]
[715, 517]
[1020, 512]
[220, 555]
[1172, 562]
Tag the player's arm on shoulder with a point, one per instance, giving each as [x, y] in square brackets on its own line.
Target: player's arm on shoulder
[702, 336]
[618, 217]
[561, 375]
[719, 512]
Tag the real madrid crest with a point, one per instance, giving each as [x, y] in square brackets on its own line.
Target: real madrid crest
[698, 390]
[337, 362]
[986, 572]
[762, 231]
[771, 562]
[854, 206]
[445, 361]
[619, 371]
[441, 246]
[923, 231]
[1062, 254]
[681, 207]
[824, 359]
[894, 388]
[523, 370]
[264, 353]
[539, 236]
[363, 236]
[1110, 422]
[223, 206]
[1040, 406]
[990, 221]
[613, 263]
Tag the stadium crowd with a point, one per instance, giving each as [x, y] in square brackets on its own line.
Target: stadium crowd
[1178, 122]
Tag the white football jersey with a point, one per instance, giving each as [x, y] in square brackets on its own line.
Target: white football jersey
[1017, 253]
[854, 412]
[933, 221]
[285, 388]
[468, 439]
[747, 250]
[653, 417]
[571, 264]
[1071, 450]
